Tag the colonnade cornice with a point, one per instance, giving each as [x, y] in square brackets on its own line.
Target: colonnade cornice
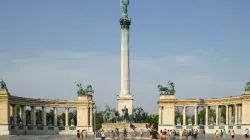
[49, 103]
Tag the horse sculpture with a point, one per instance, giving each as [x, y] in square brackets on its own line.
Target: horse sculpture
[169, 89]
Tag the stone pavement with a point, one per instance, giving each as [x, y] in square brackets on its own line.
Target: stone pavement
[72, 137]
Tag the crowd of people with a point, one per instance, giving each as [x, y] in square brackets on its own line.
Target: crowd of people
[81, 135]
[168, 134]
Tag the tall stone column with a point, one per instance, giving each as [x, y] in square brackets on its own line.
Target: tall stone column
[207, 114]
[33, 115]
[217, 115]
[196, 115]
[66, 116]
[55, 116]
[236, 114]
[227, 121]
[184, 115]
[44, 115]
[125, 98]
[14, 114]
[23, 114]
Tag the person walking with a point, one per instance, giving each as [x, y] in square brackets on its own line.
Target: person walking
[154, 134]
[232, 134]
[102, 135]
[78, 135]
[247, 134]
[217, 135]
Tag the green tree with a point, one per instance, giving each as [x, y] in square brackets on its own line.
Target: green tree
[152, 120]
[99, 120]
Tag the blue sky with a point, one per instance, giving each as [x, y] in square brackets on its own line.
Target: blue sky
[202, 46]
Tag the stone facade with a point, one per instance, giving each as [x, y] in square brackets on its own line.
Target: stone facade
[237, 107]
[8, 118]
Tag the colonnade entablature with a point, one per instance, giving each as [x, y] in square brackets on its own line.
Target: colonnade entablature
[220, 113]
[13, 122]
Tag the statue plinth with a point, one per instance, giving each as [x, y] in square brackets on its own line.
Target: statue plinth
[84, 97]
[167, 97]
[108, 127]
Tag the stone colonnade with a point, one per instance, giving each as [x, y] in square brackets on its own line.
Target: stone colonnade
[236, 115]
[233, 115]
[13, 122]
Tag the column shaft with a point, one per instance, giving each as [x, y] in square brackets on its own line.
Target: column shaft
[44, 116]
[184, 115]
[239, 114]
[230, 114]
[33, 115]
[23, 115]
[66, 116]
[207, 114]
[236, 114]
[125, 69]
[196, 115]
[55, 116]
[14, 114]
[227, 121]
[91, 116]
[160, 118]
[217, 115]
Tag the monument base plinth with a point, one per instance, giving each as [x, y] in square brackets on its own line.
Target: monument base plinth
[126, 100]
[108, 127]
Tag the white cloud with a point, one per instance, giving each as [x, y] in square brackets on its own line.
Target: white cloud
[52, 75]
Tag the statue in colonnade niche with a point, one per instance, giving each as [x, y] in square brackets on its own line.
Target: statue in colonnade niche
[201, 121]
[232, 120]
[169, 89]
[72, 122]
[211, 120]
[178, 121]
[61, 122]
[88, 91]
[189, 121]
[50, 122]
[222, 120]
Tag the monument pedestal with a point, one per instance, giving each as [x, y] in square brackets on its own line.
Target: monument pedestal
[127, 101]
[108, 127]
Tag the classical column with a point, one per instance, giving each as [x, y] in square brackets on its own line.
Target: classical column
[227, 114]
[196, 115]
[23, 114]
[217, 115]
[230, 114]
[91, 116]
[14, 114]
[207, 114]
[236, 114]
[55, 116]
[184, 115]
[66, 116]
[44, 115]
[239, 114]
[33, 115]
[160, 112]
